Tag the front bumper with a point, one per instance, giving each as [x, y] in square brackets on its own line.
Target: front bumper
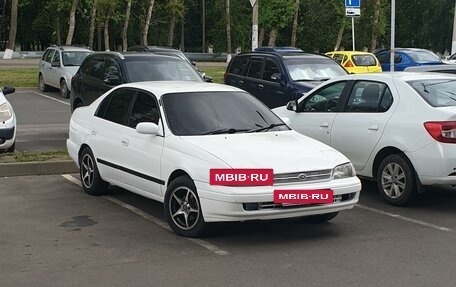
[7, 133]
[222, 203]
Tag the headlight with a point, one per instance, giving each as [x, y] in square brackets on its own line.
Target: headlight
[343, 171]
[6, 112]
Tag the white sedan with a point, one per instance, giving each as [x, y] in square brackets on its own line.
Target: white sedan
[165, 140]
[7, 122]
[397, 128]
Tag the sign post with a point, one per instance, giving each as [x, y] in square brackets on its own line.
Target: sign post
[393, 23]
[254, 4]
[352, 10]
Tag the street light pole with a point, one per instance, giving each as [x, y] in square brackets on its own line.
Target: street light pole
[254, 24]
[393, 23]
[453, 43]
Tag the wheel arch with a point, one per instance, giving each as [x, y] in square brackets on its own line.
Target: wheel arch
[83, 146]
[175, 174]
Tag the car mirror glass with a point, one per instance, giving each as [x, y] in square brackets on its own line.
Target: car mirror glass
[8, 90]
[55, 64]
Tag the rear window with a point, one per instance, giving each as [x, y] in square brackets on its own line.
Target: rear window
[436, 92]
[364, 60]
[239, 64]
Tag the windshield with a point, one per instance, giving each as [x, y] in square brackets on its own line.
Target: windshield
[436, 92]
[423, 56]
[306, 69]
[74, 58]
[200, 113]
[160, 69]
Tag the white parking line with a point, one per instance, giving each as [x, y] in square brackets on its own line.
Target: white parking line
[51, 98]
[152, 219]
[408, 219]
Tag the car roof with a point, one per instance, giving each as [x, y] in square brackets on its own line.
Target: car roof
[133, 54]
[429, 68]
[404, 76]
[72, 48]
[350, 52]
[160, 88]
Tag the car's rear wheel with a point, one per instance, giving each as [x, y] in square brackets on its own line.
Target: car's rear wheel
[396, 180]
[43, 86]
[183, 208]
[92, 183]
[319, 218]
[64, 89]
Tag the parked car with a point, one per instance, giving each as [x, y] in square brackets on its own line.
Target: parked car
[396, 128]
[444, 68]
[166, 152]
[169, 51]
[452, 59]
[278, 75]
[356, 62]
[58, 65]
[101, 71]
[407, 57]
[7, 122]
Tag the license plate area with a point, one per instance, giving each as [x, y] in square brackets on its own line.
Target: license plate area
[300, 197]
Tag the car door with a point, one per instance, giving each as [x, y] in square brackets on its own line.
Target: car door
[93, 86]
[45, 64]
[53, 72]
[357, 129]
[316, 112]
[270, 91]
[142, 153]
[254, 77]
[107, 130]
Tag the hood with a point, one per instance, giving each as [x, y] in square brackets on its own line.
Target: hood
[308, 85]
[71, 70]
[284, 151]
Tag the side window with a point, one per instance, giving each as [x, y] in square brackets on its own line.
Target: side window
[255, 68]
[56, 58]
[112, 68]
[324, 100]
[85, 66]
[239, 65]
[397, 58]
[338, 58]
[270, 68]
[368, 97]
[145, 109]
[383, 58]
[48, 56]
[96, 67]
[119, 105]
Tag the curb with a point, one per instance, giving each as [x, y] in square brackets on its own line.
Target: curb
[37, 168]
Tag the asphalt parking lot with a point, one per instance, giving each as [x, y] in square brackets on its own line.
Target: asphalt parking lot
[52, 234]
[55, 235]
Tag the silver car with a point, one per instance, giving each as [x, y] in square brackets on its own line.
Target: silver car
[58, 66]
[7, 122]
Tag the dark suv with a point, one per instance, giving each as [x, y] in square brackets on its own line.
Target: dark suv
[278, 75]
[101, 71]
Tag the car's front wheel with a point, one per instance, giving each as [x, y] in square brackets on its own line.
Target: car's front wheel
[43, 86]
[396, 180]
[183, 208]
[319, 218]
[92, 183]
[64, 89]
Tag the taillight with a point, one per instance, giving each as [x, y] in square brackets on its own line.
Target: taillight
[348, 64]
[444, 131]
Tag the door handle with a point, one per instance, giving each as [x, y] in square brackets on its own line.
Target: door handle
[125, 142]
[373, 128]
[241, 82]
[93, 132]
[260, 86]
[324, 125]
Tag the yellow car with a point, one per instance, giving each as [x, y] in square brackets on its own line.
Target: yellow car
[356, 62]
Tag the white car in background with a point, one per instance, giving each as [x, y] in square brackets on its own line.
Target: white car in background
[161, 140]
[396, 128]
[58, 65]
[7, 122]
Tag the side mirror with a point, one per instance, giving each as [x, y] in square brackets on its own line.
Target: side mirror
[279, 78]
[208, 79]
[8, 90]
[113, 80]
[55, 64]
[292, 105]
[147, 128]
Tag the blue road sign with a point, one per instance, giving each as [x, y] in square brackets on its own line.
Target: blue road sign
[352, 3]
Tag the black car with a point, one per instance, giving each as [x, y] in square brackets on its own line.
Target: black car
[278, 75]
[169, 51]
[101, 71]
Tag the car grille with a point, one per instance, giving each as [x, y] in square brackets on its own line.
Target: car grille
[303, 176]
[255, 206]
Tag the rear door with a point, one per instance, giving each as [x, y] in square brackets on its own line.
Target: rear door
[358, 127]
[54, 70]
[92, 86]
[270, 91]
[45, 64]
[254, 77]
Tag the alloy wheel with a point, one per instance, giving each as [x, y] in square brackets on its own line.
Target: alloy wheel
[184, 207]
[87, 170]
[393, 180]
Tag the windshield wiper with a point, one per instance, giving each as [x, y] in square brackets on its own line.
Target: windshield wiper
[225, 131]
[266, 128]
